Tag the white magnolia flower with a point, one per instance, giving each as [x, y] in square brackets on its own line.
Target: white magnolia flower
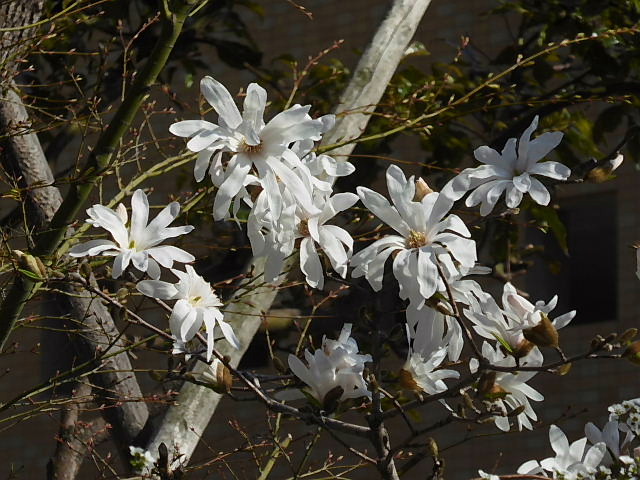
[513, 386]
[428, 235]
[196, 304]
[506, 324]
[138, 243]
[275, 237]
[570, 461]
[452, 341]
[427, 350]
[510, 171]
[610, 436]
[252, 144]
[336, 364]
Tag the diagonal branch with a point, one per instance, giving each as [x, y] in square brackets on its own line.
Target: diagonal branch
[184, 422]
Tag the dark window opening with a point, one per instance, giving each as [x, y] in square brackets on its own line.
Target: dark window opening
[585, 280]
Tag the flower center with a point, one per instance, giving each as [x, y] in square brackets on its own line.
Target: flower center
[303, 228]
[196, 300]
[245, 147]
[416, 239]
[132, 244]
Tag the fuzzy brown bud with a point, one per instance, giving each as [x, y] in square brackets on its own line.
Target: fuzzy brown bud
[544, 334]
[632, 353]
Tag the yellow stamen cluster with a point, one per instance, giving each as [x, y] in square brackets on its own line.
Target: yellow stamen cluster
[244, 147]
[416, 239]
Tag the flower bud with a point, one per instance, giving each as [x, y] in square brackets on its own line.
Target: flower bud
[219, 377]
[628, 335]
[332, 398]
[406, 381]
[523, 348]
[632, 353]
[486, 383]
[544, 334]
[422, 189]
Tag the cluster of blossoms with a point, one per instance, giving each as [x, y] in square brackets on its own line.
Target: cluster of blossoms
[334, 371]
[605, 454]
[271, 169]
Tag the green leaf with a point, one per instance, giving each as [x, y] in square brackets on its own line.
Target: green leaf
[548, 217]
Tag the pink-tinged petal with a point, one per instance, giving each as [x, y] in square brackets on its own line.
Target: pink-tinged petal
[165, 255]
[310, 264]
[541, 146]
[236, 175]
[188, 128]
[222, 101]
[380, 207]
[539, 192]
[555, 170]
[92, 247]
[253, 109]
[157, 289]
[120, 263]
[522, 182]
[139, 215]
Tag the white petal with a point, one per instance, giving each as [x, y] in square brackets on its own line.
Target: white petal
[220, 99]
[522, 182]
[139, 215]
[202, 164]
[334, 249]
[236, 175]
[157, 289]
[253, 109]
[310, 264]
[539, 192]
[380, 207]
[555, 170]
[188, 128]
[92, 247]
[513, 196]
[184, 321]
[120, 263]
[541, 146]
[167, 254]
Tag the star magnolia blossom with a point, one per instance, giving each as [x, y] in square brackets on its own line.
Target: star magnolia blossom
[138, 243]
[336, 364]
[570, 461]
[610, 436]
[427, 236]
[513, 386]
[510, 171]
[426, 353]
[252, 143]
[196, 304]
[506, 324]
[275, 237]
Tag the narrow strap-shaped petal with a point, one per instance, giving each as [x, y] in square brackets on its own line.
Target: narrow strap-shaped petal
[231, 186]
[310, 264]
[157, 289]
[220, 99]
[139, 216]
[92, 247]
[189, 128]
[380, 207]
